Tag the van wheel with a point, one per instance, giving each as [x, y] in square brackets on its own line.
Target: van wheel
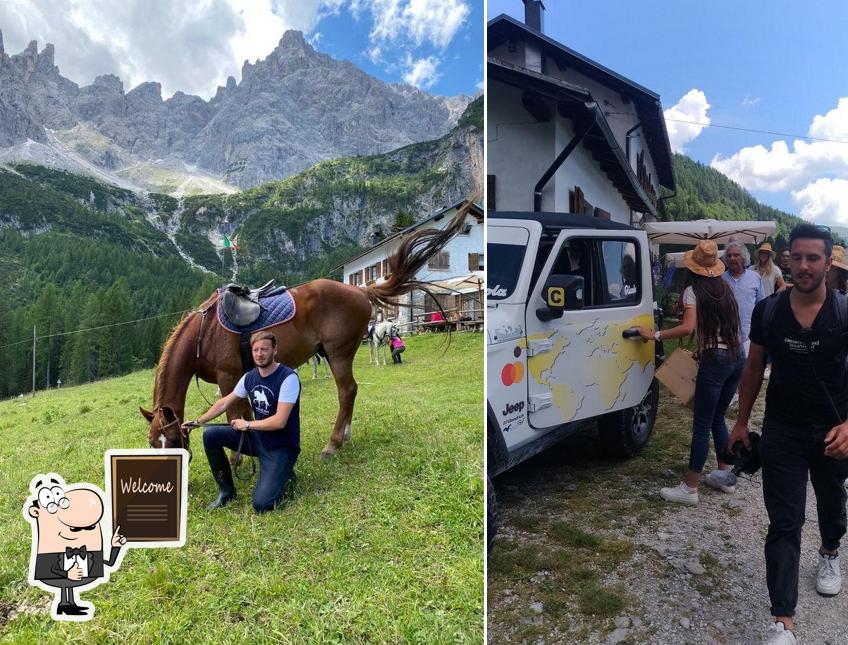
[625, 433]
[491, 515]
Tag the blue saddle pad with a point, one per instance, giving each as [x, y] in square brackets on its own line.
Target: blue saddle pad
[275, 311]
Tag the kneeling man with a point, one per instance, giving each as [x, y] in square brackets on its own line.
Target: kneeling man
[274, 436]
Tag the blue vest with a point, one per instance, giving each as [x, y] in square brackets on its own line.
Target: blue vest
[263, 393]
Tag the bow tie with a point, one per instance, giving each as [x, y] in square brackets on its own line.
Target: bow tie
[81, 552]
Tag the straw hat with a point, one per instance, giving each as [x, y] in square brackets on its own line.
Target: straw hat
[703, 260]
[765, 247]
[838, 257]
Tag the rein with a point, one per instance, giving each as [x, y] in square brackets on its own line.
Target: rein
[239, 453]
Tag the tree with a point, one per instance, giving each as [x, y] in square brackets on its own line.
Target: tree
[403, 219]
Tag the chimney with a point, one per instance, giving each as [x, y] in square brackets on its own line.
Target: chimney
[534, 14]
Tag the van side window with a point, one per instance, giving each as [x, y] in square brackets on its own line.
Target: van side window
[610, 270]
[622, 275]
[577, 257]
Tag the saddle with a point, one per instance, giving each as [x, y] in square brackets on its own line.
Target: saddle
[241, 304]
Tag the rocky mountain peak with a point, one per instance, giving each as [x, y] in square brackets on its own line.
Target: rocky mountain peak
[148, 92]
[291, 109]
[293, 39]
[109, 82]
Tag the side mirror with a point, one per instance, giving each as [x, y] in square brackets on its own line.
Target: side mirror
[561, 292]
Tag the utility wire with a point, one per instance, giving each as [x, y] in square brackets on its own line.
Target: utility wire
[732, 127]
[79, 331]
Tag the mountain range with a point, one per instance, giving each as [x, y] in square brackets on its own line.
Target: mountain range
[295, 108]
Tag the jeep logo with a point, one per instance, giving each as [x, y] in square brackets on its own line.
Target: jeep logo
[512, 408]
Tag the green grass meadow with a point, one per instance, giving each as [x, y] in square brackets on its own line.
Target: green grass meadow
[381, 544]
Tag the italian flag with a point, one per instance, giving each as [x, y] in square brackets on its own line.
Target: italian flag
[228, 243]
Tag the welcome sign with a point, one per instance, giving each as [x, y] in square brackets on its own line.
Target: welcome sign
[149, 490]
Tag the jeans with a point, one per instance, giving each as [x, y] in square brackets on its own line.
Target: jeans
[396, 354]
[718, 376]
[788, 453]
[275, 466]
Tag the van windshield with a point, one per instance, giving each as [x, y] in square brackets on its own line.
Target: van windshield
[504, 269]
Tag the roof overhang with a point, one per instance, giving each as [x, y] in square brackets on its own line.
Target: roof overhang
[647, 103]
[576, 104]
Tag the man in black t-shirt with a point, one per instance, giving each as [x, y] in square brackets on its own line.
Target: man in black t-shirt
[784, 266]
[803, 428]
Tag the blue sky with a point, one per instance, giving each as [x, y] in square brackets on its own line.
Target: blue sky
[194, 45]
[766, 66]
[459, 66]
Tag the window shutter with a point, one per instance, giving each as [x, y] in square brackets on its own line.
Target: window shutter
[473, 261]
[578, 201]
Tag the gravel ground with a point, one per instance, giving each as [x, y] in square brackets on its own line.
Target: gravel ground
[696, 575]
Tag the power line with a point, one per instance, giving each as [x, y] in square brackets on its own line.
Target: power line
[79, 331]
[740, 129]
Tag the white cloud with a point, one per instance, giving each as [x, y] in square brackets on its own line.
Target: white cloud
[824, 201]
[375, 54]
[783, 168]
[750, 101]
[422, 72]
[816, 172]
[191, 47]
[691, 109]
[424, 21]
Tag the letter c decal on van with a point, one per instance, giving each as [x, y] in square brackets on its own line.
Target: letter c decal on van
[556, 297]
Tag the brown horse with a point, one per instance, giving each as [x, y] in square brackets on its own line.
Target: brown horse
[330, 315]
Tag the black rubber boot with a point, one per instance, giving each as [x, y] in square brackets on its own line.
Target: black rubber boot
[223, 477]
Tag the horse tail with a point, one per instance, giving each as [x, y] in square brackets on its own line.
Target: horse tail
[414, 252]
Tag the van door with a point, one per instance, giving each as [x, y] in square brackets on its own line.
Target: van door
[579, 365]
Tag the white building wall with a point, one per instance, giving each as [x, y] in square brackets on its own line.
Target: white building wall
[521, 149]
[622, 115]
[458, 249]
[518, 150]
[580, 169]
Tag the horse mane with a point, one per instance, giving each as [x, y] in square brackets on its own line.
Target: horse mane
[168, 347]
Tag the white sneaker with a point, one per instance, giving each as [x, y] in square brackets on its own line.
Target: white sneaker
[779, 635]
[722, 480]
[828, 576]
[680, 495]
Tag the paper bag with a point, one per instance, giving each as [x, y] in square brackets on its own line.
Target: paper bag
[678, 373]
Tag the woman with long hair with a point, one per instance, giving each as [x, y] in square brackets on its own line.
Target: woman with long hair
[770, 273]
[711, 312]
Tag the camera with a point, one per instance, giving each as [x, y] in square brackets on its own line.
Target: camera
[744, 460]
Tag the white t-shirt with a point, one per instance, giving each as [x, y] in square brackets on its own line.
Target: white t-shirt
[289, 389]
[689, 300]
[769, 280]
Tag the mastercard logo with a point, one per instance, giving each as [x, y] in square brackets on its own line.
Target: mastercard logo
[512, 373]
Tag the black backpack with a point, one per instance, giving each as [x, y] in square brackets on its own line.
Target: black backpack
[840, 301]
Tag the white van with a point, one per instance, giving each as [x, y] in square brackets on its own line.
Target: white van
[564, 292]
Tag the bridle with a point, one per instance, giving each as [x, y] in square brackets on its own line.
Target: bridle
[183, 436]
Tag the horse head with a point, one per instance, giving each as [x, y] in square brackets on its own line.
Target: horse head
[164, 430]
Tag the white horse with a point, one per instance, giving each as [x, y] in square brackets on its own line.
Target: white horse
[383, 332]
[315, 360]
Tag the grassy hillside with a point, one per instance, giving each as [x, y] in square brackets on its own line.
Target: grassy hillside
[383, 544]
[703, 192]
